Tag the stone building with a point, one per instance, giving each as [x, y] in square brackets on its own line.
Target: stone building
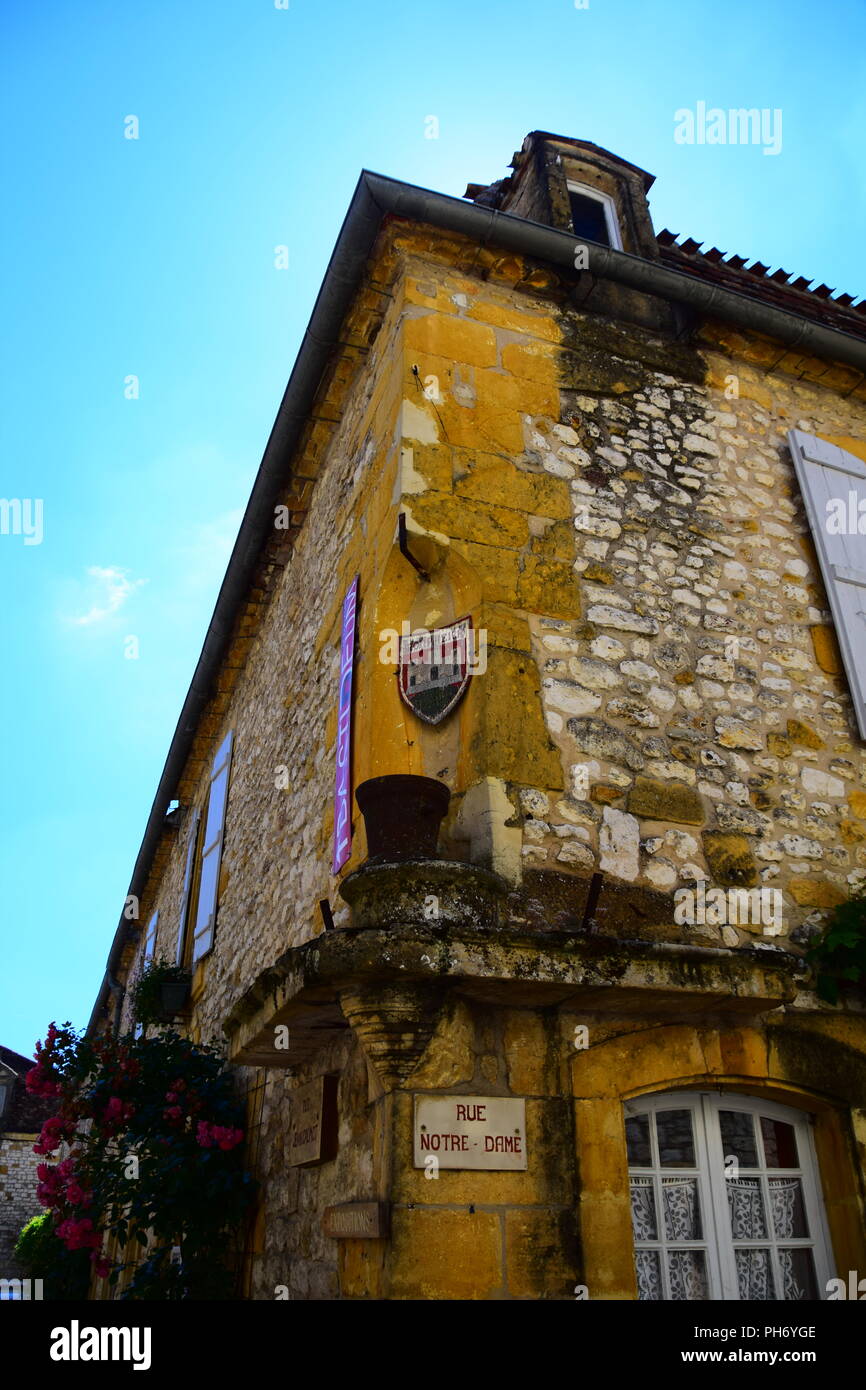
[571, 1048]
[21, 1119]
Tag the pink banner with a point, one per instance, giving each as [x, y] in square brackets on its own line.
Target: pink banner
[343, 794]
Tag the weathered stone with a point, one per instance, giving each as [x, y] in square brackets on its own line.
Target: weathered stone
[742, 818]
[779, 745]
[821, 783]
[804, 734]
[534, 802]
[827, 653]
[851, 833]
[622, 618]
[546, 586]
[619, 844]
[634, 713]
[604, 741]
[668, 801]
[604, 795]
[733, 733]
[730, 859]
[815, 892]
[593, 673]
[578, 854]
[570, 697]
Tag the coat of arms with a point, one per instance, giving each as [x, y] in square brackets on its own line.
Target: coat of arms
[435, 669]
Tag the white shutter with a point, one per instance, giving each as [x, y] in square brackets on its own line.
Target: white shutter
[189, 869]
[833, 484]
[211, 850]
[150, 938]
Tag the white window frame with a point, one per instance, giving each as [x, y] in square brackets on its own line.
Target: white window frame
[716, 1241]
[610, 213]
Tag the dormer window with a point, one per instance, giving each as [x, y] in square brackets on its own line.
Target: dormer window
[593, 215]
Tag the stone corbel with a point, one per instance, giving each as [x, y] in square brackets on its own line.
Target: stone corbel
[395, 1023]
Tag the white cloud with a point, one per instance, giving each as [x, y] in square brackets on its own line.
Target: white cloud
[113, 587]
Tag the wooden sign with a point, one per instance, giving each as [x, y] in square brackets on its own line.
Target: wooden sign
[313, 1123]
[356, 1221]
[487, 1132]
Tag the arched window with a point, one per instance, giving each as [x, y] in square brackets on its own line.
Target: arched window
[725, 1199]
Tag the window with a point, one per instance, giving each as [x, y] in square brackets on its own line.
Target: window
[833, 484]
[593, 215]
[725, 1200]
[211, 852]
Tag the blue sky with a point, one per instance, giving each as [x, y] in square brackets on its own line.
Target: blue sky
[155, 258]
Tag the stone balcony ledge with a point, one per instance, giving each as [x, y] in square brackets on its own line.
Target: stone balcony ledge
[404, 974]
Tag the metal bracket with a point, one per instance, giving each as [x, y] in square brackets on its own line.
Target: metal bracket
[595, 884]
[404, 547]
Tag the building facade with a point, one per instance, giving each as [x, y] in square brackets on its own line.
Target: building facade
[570, 1048]
[21, 1119]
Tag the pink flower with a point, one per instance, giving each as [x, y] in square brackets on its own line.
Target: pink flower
[79, 1235]
[219, 1136]
[101, 1266]
[38, 1082]
[51, 1135]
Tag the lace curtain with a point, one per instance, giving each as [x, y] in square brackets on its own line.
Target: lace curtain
[686, 1269]
[748, 1222]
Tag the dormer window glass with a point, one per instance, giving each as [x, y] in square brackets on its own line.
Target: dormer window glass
[593, 216]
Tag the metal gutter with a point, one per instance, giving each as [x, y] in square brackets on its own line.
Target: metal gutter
[374, 198]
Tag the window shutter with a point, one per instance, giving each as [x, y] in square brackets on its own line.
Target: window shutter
[150, 938]
[189, 870]
[211, 850]
[833, 484]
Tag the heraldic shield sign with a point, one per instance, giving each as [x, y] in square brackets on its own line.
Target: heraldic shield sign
[435, 669]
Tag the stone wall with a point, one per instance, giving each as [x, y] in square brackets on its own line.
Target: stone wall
[18, 1201]
[648, 528]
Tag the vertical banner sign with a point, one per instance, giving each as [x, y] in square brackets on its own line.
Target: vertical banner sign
[343, 795]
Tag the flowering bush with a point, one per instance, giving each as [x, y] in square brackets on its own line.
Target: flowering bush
[151, 1164]
[65, 1274]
